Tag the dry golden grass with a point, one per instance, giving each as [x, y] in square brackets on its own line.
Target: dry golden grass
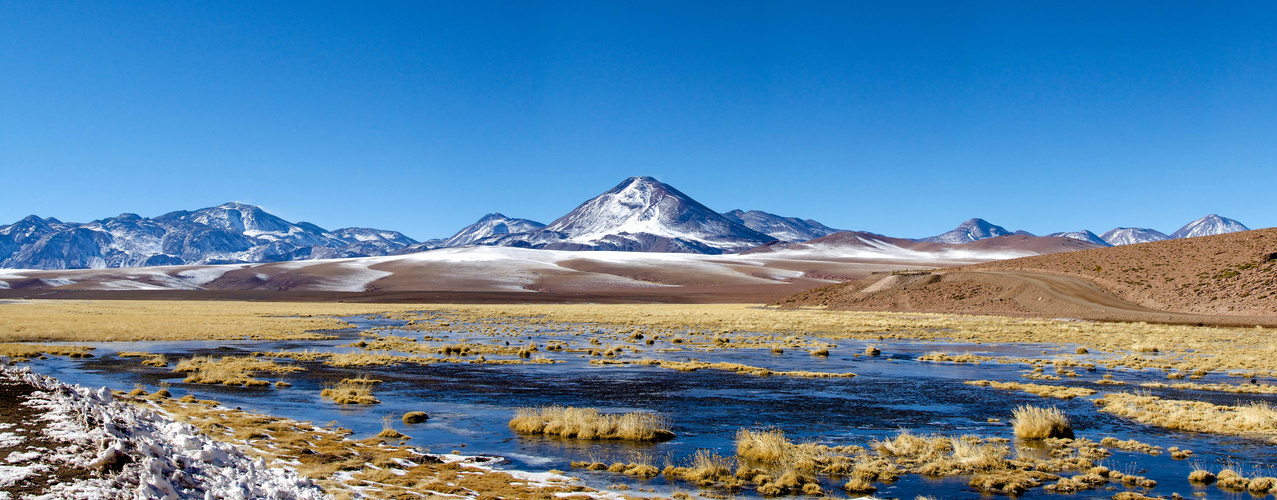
[1033, 422]
[350, 392]
[1233, 388]
[770, 449]
[589, 424]
[943, 455]
[693, 365]
[1257, 418]
[415, 417]
[1132, 445]
[1051, 391]
[130, 320]
[1212, 349]
[229, 370]
[22, 352]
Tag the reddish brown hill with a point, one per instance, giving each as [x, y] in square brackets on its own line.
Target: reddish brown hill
[1226, 276]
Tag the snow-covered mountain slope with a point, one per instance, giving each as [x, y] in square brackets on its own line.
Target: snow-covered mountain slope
[513, 269]
[1083, 235]
[971, 230]
[641, 214]
[233, 232]
[863, 246]
[781, 228]
[1209, 225]
[490, 226]
[1132, 235]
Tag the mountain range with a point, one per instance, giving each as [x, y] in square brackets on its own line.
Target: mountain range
[979, 229]
[228, 233]
[641, 214]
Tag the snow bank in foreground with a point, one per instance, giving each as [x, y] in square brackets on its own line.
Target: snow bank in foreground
[152, 456]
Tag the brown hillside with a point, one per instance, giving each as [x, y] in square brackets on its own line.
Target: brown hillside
[1228, 276]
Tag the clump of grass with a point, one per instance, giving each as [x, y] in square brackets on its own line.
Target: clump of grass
[590, 424]
[1201, 475]
[415, 417]
[1255, 418]
[943, 455]
[388, 430]
[229, 370]
[23, 352]
[156, 360]
[1032, 422]
[1230, 479]
[872, 351]
[706, 468]
[1132, 445]
[350, 391]
[1051, 391]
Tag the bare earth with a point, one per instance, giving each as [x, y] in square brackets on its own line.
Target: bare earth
[1228, 279]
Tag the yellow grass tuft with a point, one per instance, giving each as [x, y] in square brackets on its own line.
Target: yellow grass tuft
[1032, 422]
[415, 417]
[229, 370]
[1255, 418]
[589, 424]
[1046, 391]
[350, 392]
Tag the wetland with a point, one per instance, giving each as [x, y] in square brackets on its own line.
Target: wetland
[847, 404]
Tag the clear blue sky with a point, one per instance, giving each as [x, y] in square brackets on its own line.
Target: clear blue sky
[901, 118]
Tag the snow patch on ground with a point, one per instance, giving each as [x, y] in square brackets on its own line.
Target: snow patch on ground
[4, 285]
[156, 457]
[57, 281]
[200, 276]
[127, 285]
[355, 277]
[10, 474]
[9, 439]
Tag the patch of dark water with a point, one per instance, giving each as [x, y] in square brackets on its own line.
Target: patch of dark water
[470, 405]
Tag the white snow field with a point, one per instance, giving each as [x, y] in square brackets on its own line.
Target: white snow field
[156, 458]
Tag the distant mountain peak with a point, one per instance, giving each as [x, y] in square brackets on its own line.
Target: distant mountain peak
[493, 225]
[1083, 235]
[641, 214]
[1209, 225]
[778, 227]
[973, 229]
[1132, 235]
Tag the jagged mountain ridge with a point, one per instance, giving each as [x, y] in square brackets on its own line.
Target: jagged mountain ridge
[229, 233]
[493, 225]
[1209, 225]
[1083, 235]
[979, 229]
[641, 214]
[778, 227]
[1132, 235]
[969, 231]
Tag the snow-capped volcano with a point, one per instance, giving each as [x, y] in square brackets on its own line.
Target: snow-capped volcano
[491, 225]
[971, 230]
[1209, 225]
[1083, 235]
[1132, 235]
[228, 233]
[645, 215]
[781, 228]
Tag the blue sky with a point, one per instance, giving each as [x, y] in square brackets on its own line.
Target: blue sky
[902, 118]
